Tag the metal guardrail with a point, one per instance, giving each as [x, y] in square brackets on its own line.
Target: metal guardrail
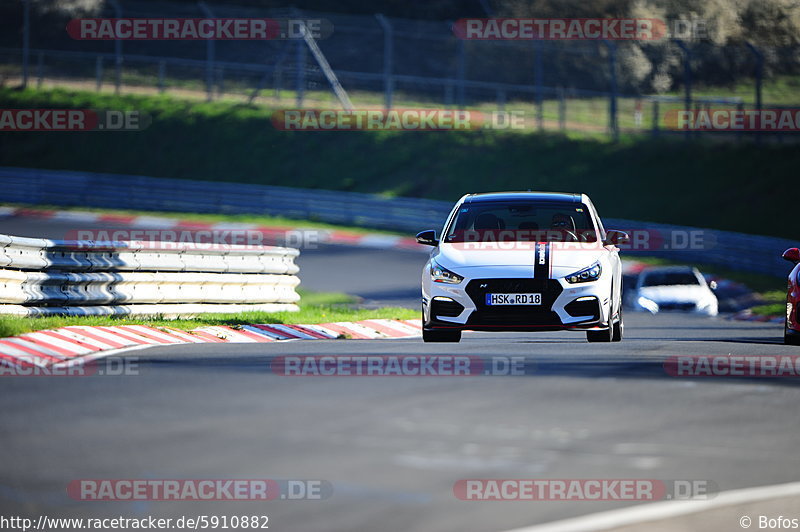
[44, 277]
[734, 251]
[725, 249]
[57, 187]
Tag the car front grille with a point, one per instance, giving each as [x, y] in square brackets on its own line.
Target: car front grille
[514, 315]
[677, 306]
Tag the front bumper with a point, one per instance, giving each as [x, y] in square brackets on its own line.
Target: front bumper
[565, 306]
[710, 309]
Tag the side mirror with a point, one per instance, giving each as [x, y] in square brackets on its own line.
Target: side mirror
[427, 238]
[617, 238]
[792, 255]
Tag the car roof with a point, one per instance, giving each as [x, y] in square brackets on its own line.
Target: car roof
[566, 197]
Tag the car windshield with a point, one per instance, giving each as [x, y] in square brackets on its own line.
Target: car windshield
[522, 222]
[670, 278]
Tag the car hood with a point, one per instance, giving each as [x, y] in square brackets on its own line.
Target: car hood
[563, 258]
[674, 293]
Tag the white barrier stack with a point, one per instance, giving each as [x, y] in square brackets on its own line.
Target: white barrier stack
[40, 277]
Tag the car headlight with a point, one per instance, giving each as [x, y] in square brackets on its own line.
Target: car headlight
[443, 275]
[592, 273]
[647, 304]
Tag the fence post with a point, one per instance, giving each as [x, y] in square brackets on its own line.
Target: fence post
[26, 40]
[117, 50]
[39, 70]
[538, 74]
[462, 72]
[388, 60]
[209, 55]
[687, 78]
[613, 124]
[759, 77]
[655, 118]
[739, 134]
[759, 71]
[277, 83]
[300, 66]
[98, 72]
[162, 74]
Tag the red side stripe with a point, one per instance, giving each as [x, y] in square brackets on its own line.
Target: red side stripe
[49, 346]
[309, 332]
[66, 338]
[143, 333]
[88, 333]
[125, 334]
[120, 218]
[255, 336]
[189, 224]
[28, 350]
[15, 362]
[277, 332]
[382, 328]
[342, 330]
[35, 213]
[344, 236]
[208, 336]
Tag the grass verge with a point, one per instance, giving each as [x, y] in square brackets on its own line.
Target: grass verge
[774, 304]
[697, 183]
[315, 307]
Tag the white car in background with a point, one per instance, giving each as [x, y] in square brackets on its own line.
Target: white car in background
[675, 288]
[522, 261]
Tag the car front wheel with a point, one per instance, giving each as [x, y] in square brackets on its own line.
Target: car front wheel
[789, 338]
[618, 330]
[612, 334]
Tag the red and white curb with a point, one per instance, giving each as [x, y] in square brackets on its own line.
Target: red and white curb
[79, 344]
[271, 233]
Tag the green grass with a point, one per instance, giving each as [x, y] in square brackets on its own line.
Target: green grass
[315, 307]
[774, 304]
[721, 185]
[775, 309]
[586, 116]
[780, 90]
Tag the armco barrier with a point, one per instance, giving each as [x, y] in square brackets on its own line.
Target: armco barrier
[50, 187]
[46, 277]
[734, 251]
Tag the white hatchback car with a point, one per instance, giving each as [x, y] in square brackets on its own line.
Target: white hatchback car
[522, 261]
[681, 288]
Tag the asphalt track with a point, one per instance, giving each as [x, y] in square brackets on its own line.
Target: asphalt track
[392, 447]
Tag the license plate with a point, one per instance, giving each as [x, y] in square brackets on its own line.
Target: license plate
[513, 299]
